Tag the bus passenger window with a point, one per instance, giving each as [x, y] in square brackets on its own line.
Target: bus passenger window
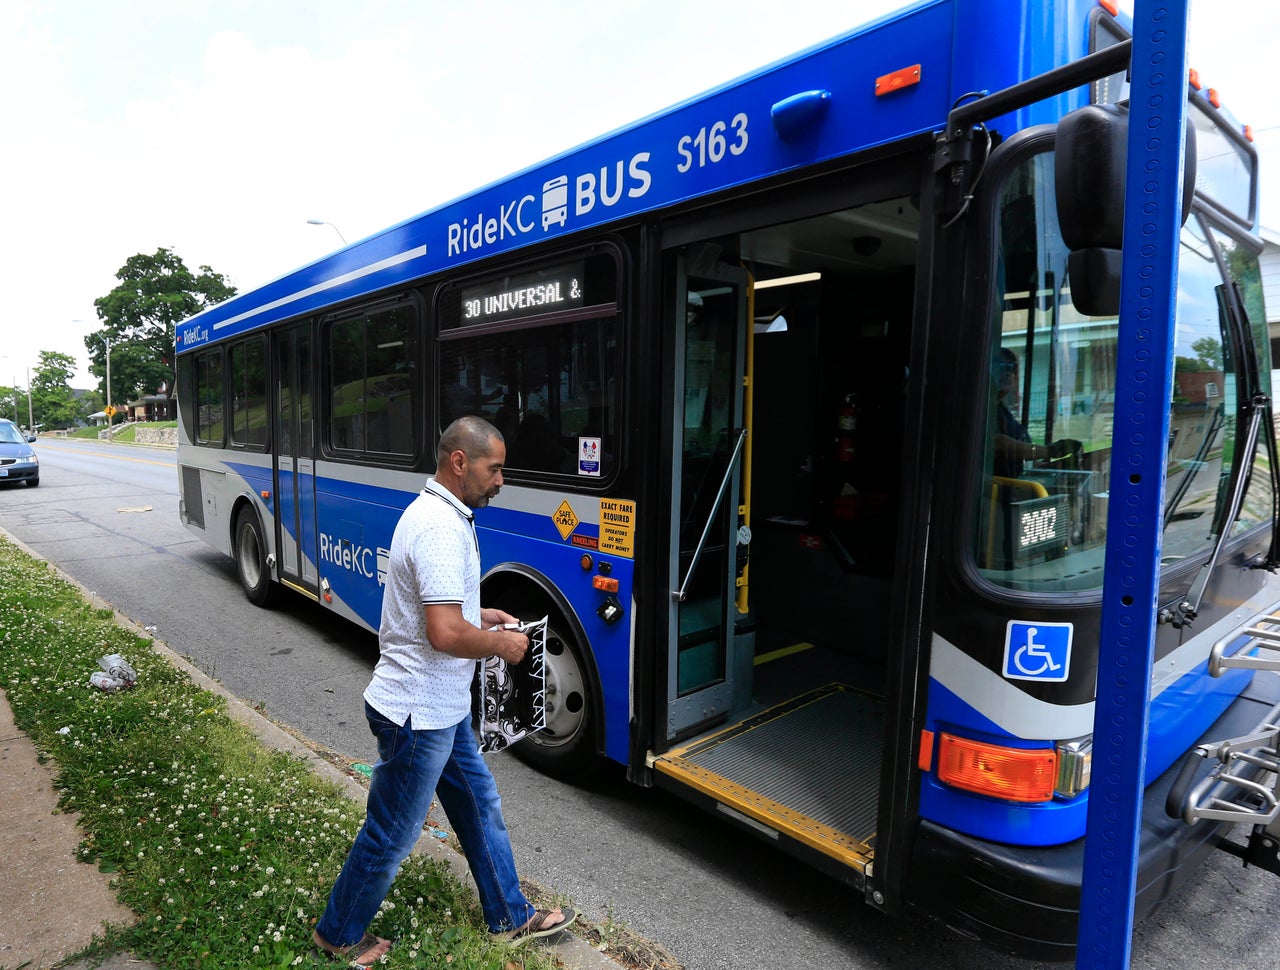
[544, 388]
[536, 354]
[249, 393]
[210, 398]
[373, 390]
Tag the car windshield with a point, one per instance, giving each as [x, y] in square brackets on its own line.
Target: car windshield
[10, 435]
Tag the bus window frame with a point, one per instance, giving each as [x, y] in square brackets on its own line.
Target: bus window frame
[616, 311]
[323, 405]
[220, 352]
[268, 443]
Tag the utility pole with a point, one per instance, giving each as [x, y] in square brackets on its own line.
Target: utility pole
[111, 411]
[31, 421]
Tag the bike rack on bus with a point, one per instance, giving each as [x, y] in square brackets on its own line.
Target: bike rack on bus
[1244, 784]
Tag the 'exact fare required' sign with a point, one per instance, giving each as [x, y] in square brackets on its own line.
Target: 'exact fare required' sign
[618, 527]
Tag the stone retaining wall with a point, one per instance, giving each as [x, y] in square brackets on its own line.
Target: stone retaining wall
[164, 437]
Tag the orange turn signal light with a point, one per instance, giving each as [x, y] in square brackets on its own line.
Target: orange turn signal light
[897, 80]
[605, 583]
[1013, 774]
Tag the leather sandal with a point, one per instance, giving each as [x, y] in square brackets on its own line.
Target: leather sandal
[538, 925]
[355, 954]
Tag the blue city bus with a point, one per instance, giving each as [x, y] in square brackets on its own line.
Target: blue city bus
[807, 388]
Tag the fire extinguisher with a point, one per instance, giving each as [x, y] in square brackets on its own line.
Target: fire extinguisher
[846, 426]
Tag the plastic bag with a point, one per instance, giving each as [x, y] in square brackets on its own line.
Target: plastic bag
[513, 700]
[119, 669]
[104, 681]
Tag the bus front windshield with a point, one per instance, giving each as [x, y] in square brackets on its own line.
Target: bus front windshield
[1043, 490]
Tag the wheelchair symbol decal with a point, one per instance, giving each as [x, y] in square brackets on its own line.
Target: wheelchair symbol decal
[1037, 651]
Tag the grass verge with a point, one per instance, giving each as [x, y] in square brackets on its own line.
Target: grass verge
[224, 849]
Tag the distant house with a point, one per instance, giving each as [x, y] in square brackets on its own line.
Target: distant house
[151, 407]
[1270, 263]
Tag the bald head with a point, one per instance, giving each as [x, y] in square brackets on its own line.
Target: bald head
[471, 435]
[469, 460]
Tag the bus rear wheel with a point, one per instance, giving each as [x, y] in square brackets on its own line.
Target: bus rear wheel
[566, 747]
[250, 554]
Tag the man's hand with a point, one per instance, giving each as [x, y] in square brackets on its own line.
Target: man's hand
[512, 645]
[450, 632]
[490, 617]
[1064, 447]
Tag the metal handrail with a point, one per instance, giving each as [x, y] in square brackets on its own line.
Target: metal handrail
[679, 595]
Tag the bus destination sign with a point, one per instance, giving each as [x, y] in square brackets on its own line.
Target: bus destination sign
[545, 291]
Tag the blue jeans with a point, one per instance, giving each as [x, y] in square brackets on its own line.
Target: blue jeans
[411, 766]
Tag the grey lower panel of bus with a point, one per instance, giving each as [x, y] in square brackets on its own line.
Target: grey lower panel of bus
[808, 768]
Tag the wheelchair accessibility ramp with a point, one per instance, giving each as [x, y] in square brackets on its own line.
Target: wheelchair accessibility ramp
[808, 769]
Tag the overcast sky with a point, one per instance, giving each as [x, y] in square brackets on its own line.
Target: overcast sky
[217, 128]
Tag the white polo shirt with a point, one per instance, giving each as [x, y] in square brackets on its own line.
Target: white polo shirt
[435, 558]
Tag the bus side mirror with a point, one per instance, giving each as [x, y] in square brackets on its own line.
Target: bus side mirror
[1092, 144]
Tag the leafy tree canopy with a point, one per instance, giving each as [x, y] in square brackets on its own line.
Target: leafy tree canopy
[53, 403]
[140, 316]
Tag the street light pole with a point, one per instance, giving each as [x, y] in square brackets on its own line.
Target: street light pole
[31, 421]
[321, 222]
[111, 417]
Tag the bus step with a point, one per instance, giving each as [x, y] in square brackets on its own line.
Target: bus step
[1243, 786]
[1264, 638]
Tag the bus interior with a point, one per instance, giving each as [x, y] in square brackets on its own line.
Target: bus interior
[799, 650]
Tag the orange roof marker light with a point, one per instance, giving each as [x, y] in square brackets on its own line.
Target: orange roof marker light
[1248, 132]
[1193, 78]
[897, 80]
[1110, 6]
[1013, 774]
[1214, 99]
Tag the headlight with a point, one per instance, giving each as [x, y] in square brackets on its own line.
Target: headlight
[1075, 765]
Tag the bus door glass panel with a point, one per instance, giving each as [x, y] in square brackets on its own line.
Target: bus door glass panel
[711, 319]
[295, 458]
[1049, 380]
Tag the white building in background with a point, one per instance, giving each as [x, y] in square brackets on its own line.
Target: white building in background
[1270, 265]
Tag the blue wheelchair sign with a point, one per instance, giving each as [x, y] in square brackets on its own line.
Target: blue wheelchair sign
[1037, 651]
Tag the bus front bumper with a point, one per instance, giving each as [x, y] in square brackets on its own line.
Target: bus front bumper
[1026, 899]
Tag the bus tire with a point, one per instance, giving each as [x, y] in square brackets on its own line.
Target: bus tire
[250, 553]
[566, 747]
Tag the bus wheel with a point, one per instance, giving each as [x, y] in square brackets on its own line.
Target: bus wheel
[251, 559]
[566, 747]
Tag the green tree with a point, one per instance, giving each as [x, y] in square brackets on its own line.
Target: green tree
[53, 402]
[9, 403]
[140, 316]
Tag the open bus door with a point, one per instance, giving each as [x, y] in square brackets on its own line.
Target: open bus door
[775, 739]
[294, 457]
[706, 640]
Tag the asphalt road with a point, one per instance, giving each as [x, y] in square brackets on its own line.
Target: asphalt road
[107, 515]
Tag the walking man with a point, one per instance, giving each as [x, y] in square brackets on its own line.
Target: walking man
[432, 635]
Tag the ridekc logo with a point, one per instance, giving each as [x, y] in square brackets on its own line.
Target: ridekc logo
[1037, 651]
[606, 187]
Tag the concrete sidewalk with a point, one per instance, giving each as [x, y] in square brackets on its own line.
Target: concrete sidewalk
[53, 904]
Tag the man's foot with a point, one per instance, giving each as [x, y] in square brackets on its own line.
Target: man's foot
[544, 922]
[366, 953]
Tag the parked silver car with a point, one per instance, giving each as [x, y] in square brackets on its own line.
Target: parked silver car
[18, 461]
